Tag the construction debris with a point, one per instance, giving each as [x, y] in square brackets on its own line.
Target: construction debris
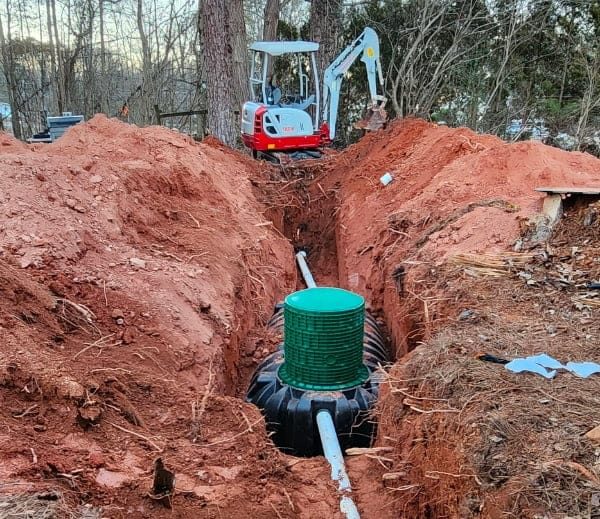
[539, 363]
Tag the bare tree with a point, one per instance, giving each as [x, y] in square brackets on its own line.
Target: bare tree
[325, 28]
[8, 65]
[146, 86]
[218, 72]
[590, 58]
[60, 83]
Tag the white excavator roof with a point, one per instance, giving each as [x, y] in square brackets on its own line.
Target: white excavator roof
[277, 48]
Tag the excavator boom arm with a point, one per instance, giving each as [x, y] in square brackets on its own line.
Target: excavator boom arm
[366, 44]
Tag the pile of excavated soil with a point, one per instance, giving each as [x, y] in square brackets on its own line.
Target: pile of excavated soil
[454, 191]
[133, 265]
[459, 437]
[174, 225]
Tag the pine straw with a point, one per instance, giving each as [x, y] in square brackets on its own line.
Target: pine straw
[588, 300]
[50, 505]
[76, 316]
[517, 437]
[491, 265]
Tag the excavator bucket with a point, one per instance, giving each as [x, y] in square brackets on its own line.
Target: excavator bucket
[374, 119]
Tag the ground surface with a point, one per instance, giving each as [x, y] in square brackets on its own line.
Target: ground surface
[459, 437]
[137, 270]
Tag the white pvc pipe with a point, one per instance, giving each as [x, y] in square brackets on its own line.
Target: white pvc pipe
[333, 454]
[308, 278]
[327, 432]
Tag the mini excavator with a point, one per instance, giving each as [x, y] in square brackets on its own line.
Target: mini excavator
[298, 124]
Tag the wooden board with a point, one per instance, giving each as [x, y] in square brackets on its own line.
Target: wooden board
[569, 190]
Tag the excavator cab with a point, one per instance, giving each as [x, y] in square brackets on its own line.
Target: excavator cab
[296, 76]
[284, 116]
[287, 115]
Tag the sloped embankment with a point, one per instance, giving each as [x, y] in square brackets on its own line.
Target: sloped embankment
[134, 263]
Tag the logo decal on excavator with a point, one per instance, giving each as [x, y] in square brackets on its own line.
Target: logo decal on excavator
[370, 52]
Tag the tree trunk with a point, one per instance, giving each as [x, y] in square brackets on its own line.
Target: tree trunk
[199, 55]
[44, 75]
[11, 81]
[237, 38]
[89, 96]
[591, 62]
[103, 93]
[218, 72]
[563, 82]
[325, 29]
[53, 70]
[271, 20]
[147, 86]
[60, 72]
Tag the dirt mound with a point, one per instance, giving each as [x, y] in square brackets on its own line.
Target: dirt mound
[439, 169]
[453, 191]
[8, 142]
[133, 265]
[146, 210]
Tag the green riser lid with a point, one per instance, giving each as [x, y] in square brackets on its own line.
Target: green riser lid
[323, 339]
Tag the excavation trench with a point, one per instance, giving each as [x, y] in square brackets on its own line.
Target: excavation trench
[314, 223]
[308, 221]
[310, 208]
[399, 247]
[309, 218]
[306, 211]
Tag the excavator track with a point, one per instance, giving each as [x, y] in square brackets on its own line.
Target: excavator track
[282, 158]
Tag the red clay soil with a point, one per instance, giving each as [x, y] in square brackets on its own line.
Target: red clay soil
[453, 192]
[137, 269]
[133, 265]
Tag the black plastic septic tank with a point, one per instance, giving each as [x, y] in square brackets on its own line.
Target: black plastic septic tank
[330, 359]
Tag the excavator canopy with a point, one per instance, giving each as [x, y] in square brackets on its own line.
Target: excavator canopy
[278, 48]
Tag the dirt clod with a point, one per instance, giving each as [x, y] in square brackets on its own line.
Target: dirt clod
[88, 416]
[117, 313]
[67, 388]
